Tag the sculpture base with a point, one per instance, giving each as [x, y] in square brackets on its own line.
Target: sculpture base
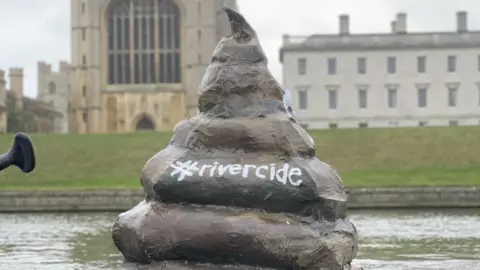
[154, 231]
[184, 265]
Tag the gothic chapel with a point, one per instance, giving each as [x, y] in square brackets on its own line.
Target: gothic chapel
[137, 64]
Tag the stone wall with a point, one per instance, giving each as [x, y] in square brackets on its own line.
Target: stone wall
[69, 200]
[121, 200]
[414, 197]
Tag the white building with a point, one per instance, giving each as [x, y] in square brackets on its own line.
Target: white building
[384, 79]
[54, 87]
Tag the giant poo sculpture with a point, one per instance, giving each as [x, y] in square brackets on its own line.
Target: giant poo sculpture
[239, 186]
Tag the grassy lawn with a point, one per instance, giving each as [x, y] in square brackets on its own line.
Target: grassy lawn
[364, 157]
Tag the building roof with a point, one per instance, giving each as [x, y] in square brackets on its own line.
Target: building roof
[381, 41]
[398, 39]
[36, 104]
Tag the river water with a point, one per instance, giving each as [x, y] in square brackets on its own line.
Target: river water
[393, 240]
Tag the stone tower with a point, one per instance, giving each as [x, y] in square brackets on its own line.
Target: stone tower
[54, 88]
[16, 85]
[137, 64]
[3, 102]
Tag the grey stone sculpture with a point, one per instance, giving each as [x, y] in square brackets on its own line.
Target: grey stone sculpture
[239, 186]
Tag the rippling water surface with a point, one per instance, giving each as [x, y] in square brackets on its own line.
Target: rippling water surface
[393, 240]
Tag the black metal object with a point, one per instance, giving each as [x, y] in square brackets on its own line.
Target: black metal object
[21, 154]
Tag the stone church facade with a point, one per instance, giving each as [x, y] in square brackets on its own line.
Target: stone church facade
[137, 64]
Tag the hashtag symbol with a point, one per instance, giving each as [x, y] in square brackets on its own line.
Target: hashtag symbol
[184, 169]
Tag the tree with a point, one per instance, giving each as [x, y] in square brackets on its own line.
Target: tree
[19, 119]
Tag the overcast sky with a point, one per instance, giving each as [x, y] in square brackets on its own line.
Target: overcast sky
[32, 30]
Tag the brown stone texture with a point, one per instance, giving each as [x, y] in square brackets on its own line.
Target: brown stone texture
[239, 186]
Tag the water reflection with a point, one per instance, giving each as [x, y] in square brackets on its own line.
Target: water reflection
[421, 239]
[393, 240]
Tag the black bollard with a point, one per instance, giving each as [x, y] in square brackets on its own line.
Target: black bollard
[21, 154]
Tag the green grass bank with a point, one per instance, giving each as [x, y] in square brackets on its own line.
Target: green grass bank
[447, 156]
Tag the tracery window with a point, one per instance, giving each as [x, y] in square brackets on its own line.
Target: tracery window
[144, 42]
